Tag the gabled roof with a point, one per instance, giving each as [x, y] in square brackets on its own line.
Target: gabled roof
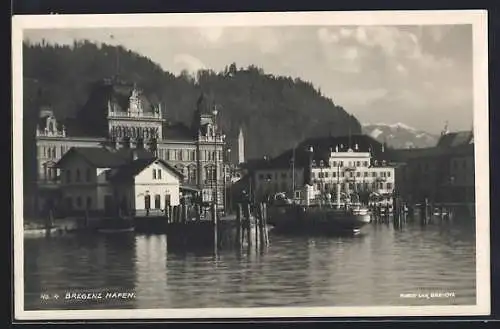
[99, 157]
[102, 157]
[455, 139]
[133, 168]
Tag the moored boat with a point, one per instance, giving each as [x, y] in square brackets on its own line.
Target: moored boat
[290, 217]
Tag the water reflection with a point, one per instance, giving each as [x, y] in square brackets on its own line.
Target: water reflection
[373, 268]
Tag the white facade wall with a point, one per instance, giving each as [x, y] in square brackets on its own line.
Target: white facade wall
[353, 171]
[145, 184]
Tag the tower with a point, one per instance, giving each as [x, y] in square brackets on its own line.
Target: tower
[241, 147]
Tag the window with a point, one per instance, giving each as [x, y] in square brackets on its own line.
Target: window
[358, 163]
[161, 154]
[358, 174]
[341, 163]
[334, 174]
[388, 174]
[192, 174]
[88, 174]
[157, 201]
[107, 175]
[68, 176]
[350, 163]
[365, 174]
[154, 173]
[147, 201]
[389, 186]
[159, 173]
[69, 203]
[77, 175]
[167, 200]
[335, 163]
[181, 155]
[89, 202]
[374, 174]
[326, 174]
[365, 163]
[78, 202]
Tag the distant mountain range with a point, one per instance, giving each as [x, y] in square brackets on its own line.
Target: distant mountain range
[399, 135]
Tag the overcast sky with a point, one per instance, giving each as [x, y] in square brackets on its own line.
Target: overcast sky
[418, 75]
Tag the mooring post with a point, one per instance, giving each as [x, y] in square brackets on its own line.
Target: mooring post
[264, 217]
[185, 213]
[215, 225]
[257, 216]
[248, 225]
[238, 225]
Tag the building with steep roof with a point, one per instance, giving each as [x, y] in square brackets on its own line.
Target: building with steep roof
[353, 163]
[119, 115]
[104, 181]
[444, 173]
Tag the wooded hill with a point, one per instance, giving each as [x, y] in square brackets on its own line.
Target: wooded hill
[275, 111]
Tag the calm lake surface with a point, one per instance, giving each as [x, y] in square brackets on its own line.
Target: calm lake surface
[375, 268]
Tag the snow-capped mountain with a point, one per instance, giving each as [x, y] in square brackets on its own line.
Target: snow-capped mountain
[399, 135]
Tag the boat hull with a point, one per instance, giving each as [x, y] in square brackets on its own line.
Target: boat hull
[326, 220]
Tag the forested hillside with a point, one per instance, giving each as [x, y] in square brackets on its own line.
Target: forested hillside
[275, 111]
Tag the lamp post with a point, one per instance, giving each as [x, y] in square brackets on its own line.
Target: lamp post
[226, 188]
[214, 112]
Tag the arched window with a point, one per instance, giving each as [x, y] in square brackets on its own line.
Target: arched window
[77, 178]
[192, 174]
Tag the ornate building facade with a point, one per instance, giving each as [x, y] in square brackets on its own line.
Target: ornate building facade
[119, 115]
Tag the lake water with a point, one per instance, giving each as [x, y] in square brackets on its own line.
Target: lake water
[382, 266]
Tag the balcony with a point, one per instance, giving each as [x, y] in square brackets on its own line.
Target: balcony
[145, 115]
[349, 168]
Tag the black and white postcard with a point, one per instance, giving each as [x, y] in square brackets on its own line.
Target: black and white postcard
[251, 165]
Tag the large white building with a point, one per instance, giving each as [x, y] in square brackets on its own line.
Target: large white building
[119, 115]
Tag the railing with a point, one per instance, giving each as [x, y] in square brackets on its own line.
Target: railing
[349, 168]
[134, 115]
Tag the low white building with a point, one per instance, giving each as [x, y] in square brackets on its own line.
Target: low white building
[106, 181]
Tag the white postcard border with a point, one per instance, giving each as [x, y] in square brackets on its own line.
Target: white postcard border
[478, 18]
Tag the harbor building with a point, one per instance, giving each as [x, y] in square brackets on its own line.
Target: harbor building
[119, 115]
[107, 181]
[326, 164]
[444, 173]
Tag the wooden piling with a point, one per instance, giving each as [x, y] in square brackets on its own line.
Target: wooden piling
[238, 225]
[184, 213]
[248, 224]
[215, 225]
[264, 217]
